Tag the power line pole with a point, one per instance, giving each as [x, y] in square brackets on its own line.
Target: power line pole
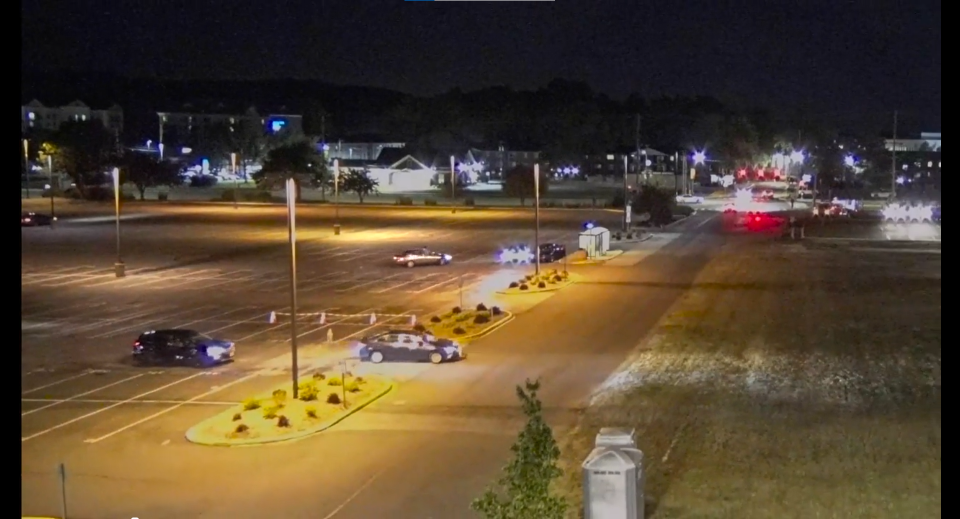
[893, 169]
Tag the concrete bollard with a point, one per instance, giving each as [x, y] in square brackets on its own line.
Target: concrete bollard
[413, 320]
[323, 317]
[329, 334]
[272, 318]
[373, 319]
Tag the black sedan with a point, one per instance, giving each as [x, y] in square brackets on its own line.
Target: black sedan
[35, 220]
[552, 252]
[181, 347]
[421, 257]
[408, 346]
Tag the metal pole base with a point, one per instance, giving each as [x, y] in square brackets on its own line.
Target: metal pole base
[120, 269]
[336, 229]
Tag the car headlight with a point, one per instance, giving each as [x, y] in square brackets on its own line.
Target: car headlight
[216, 351]
[447, 257]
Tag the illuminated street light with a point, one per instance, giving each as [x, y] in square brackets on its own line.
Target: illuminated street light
[699, 158]
[798, 157]
[850, 161]
[119, 268]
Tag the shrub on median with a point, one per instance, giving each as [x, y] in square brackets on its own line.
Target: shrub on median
[319, 377]
[279, 397]
[335, 382]
[456, 310]
[481, 319]
[271, 412]
[242, 428]
[334, 398]
[514, 285]
[459, 331]
[481, 307]
[436, 319]
[524, 287]
[311, 412]
[496, 311]
[352, 387]
[541, 285]
[419, 328]
[251, 404]
[308, 391]
[283, 422]
[237, 417]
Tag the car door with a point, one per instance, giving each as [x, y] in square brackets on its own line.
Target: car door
[387, 345]
[408, 347]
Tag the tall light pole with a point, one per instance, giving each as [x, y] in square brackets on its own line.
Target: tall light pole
[26, 164]
[54, 188]
[453, 182]
[893, 169]
[292, 234]
[626, 195]
[161, 118]
[536, 205]
[119, 268]
[236, 179]
[336, 197]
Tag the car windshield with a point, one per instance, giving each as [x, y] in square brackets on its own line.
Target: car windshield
[412, 252]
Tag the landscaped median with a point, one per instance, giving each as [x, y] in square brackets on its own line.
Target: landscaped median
[547, 281]
[466, 325]
[325, 399]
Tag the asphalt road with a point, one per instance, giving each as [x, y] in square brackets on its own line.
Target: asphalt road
[425, 451]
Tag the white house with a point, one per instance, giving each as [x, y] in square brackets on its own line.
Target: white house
[397, 171]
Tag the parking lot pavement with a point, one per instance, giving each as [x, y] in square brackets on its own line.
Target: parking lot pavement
[101, 335]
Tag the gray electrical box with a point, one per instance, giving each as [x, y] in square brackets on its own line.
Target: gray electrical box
[614, 477]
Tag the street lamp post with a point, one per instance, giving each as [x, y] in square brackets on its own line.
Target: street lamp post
[118, 267]
[53, 191]
[26, 164]
[336, 197]
[453, 183]
[626, 196]
[292, 235]
[236, 179]
[536, 205]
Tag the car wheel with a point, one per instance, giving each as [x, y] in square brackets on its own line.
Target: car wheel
[376, 357]
[436, 358]
[411, 264]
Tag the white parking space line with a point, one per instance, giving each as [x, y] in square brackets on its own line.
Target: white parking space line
[109, 407]
[85, 278]
[172, 275]
[47, 280]
[113, 332]
[81, 395]
[250, 281]
[101, 323]
[216, 317]
[118, 401]
[368, 283]
[59, 271]
[57, 383]
[394, 287]
[233, 275]
[32, 315]
[332, 323]
[437, 285]
[312, 285]
[164, 411]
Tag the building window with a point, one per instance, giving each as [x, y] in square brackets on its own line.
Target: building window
[611, 157]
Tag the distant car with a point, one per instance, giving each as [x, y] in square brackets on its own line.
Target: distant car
[35, 220]
[422, 257]
[408, 346]
[552, 252]
[181, 347]
[763, 196]
[729, 209]
[689, 199]
[830, 210]
[758, 221]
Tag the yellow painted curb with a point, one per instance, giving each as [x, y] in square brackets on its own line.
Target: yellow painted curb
[194, 436]
[503, 322]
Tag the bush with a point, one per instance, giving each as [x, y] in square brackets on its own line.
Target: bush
[319, 377]
[524, 287]
[334, 399]
[419, 328]
[481, 307]
[251, 404]
[257, 196]
[279, 397]
[203, 181]
[242, 428]
[456, 310]
[436, 319]
[459, 331]
[283, 421]
[311, 412]
[469, 202]
[430, 202]
[481, 319]
[352, 387]
[557, 279]
[360, 380]
[271, 412]
[335, 382]
[308, 391]
[237, 417]
[528, 277]
[404, 200]
[658, 203]
[229, 195]
[162, 197]
[496, 311]
[514, 285]
[98, 194]
[541, 285]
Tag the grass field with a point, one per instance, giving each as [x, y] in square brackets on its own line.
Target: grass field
[787, 383]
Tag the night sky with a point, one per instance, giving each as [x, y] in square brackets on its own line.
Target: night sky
[834, 56]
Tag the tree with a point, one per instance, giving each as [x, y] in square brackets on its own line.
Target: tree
[215, 144]
[144, 172]
[524, 490]
[519, 183]
[658, 203]
[85, 149]
[297, 159]
[358, 181]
